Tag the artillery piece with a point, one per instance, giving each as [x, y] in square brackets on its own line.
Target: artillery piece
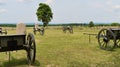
[108, 39]
[69, 28]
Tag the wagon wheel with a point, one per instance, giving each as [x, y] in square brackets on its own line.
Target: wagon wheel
[31, 51]
[72, 31]
[106, 39]
[118, 42]
[35, 32]
[64, 29]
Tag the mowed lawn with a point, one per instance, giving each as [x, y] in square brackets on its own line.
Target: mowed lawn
[58, 49]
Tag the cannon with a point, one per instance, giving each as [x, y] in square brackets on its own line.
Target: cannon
[40, 30]
[37, 29]
[108, 39]
[69, 28]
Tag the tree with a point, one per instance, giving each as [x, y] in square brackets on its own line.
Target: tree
[114, 24]
[91, 24]
[44, 14]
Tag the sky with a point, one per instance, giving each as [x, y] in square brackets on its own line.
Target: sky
[64, 11]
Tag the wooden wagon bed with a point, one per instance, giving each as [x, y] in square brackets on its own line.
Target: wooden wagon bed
[12, 42]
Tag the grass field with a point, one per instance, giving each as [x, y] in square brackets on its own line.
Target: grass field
[57, 49]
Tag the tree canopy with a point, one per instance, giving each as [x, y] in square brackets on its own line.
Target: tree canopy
[44, 14]
[91, 24]
[115, 24]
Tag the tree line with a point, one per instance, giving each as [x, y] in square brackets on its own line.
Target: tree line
[90, 24]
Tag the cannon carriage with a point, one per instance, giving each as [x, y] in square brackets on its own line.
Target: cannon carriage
[69, 28]
[108, 39]
[40, 30]
[37, 29]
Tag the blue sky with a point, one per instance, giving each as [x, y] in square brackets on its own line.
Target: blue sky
[64, 11]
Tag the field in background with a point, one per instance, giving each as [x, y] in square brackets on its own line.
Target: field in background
[57, 49]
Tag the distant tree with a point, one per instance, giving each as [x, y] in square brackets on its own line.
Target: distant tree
[91, 24]
[115, 24]
[44, 14]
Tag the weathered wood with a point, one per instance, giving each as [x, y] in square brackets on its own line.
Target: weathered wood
[19, 41]
[12, 42]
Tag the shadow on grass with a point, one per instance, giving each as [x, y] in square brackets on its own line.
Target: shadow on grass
[18, 62]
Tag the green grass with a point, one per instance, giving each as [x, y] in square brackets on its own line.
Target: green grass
[57, 49]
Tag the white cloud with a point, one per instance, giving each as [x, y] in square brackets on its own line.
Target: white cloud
[2, 2]
[113, 8]
[20, 0]
[108, 5]
[97, 5]
[117, 6]
[109, 2]
[24, 0]
[49, 1]
[3, 10]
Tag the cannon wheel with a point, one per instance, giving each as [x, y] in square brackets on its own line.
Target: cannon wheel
[42, 31]
[34, 30]
[118, 42]
[31, 51]
[106, 39]
[64, 29]
[71, 30]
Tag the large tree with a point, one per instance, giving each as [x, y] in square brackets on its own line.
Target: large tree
[44, 13]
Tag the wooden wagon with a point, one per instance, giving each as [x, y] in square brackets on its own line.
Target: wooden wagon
[21, 41]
